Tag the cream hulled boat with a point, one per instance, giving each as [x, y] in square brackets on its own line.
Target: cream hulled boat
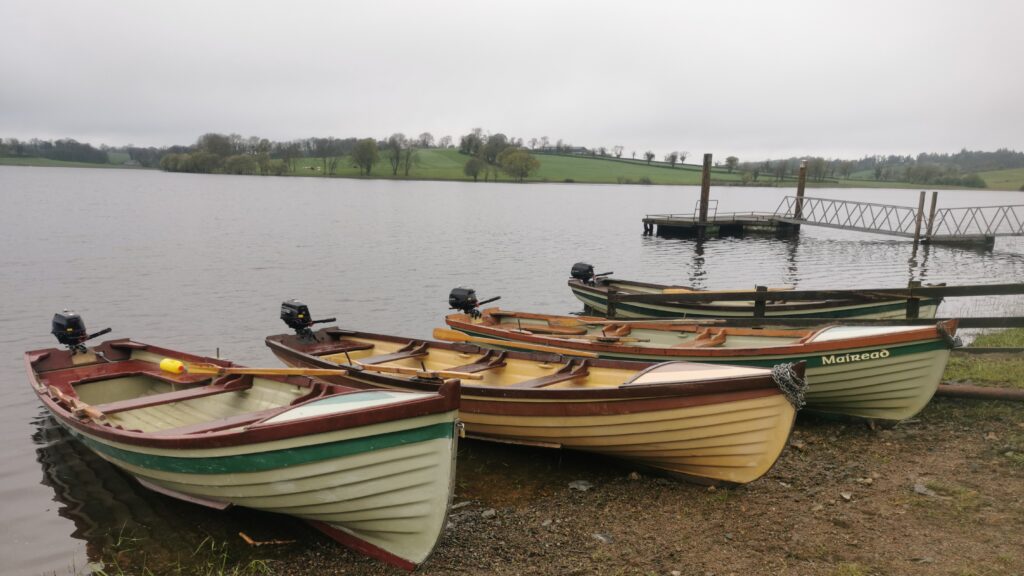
[372, 469]
[885, 373]
[704, 422]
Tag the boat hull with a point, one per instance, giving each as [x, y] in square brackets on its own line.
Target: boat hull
[596, 299]
[894, 386]
[882, 380]
[377, 486]
[718, 436]
[733, 442]
[372, 469]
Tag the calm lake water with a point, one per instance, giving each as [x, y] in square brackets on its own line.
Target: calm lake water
[201, 263]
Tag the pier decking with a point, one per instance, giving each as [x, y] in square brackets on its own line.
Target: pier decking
[973, 225]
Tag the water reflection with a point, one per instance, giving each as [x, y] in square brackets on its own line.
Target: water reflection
[121, 521]
[697, 271]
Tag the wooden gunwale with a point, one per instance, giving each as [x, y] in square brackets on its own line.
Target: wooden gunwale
[866, 302]
[295, 352]
[458, 322]
[705, 305]
[447, 400]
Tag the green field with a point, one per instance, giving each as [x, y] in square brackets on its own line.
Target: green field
[447, 164]
[1004, 179]
[32, 161]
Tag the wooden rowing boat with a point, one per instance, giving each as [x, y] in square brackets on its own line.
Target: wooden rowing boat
[594, 295]
[704, 422]
[885, 373]
[372, 469]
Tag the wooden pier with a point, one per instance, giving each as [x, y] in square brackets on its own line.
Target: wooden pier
[972, 225]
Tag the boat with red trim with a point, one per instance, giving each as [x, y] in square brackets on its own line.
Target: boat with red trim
[373, 469]
[882, 373]
[709, 423]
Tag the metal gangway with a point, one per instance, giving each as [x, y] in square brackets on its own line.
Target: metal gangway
[947, 225]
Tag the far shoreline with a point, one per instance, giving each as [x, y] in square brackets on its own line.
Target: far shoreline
[33, 162]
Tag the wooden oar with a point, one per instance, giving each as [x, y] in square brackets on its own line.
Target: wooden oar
[179, 367]
[596, 337]
[419, 373]
[453, 336]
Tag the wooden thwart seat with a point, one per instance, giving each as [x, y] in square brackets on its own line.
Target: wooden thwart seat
[410, 350]
[234, 385]
[567, 372]
[616, 330]
[705, 339]
[492, 359]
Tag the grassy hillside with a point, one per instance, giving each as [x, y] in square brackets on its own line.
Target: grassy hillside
[435, 164]
[1004, 179]
[31, 161]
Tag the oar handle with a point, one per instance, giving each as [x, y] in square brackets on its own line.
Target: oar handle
[178, 367]
[454, 336]
[429, 374]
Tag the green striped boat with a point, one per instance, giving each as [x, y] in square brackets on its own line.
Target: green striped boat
[373, 469]
[594, 295]
[882, 373]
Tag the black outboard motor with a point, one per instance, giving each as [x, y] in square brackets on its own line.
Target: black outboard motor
[296, 315]
[464, 299]
[585, 273]
[69, 329]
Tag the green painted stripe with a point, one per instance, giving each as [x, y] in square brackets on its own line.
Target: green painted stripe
[813, 360]
[642, 310]
[262, 461]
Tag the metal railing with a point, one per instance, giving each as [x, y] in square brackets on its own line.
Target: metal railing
[988, 221]
[850, 215]
[981, 221]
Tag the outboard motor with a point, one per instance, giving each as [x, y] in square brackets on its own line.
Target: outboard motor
[585, 273]
[464, 299]
[69, 329]
[296, 315]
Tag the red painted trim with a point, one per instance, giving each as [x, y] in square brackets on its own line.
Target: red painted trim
[362, 546]
[921, 334]
[282, 347]
[59, 362]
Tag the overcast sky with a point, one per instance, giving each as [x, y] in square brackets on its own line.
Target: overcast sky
[754, 79]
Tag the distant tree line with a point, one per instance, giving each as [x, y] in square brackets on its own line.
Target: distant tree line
[491, 153]
[234, 154]
[927, 169]
[64, 149]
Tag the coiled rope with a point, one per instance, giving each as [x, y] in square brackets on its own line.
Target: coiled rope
[793, 387]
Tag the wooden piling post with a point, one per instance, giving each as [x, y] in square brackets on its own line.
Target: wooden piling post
[914, 303]
[760, 301]
[705, 195]
[931, 215]
[801, 183]
[920, 216]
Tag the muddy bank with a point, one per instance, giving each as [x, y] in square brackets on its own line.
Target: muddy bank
[942, 494]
